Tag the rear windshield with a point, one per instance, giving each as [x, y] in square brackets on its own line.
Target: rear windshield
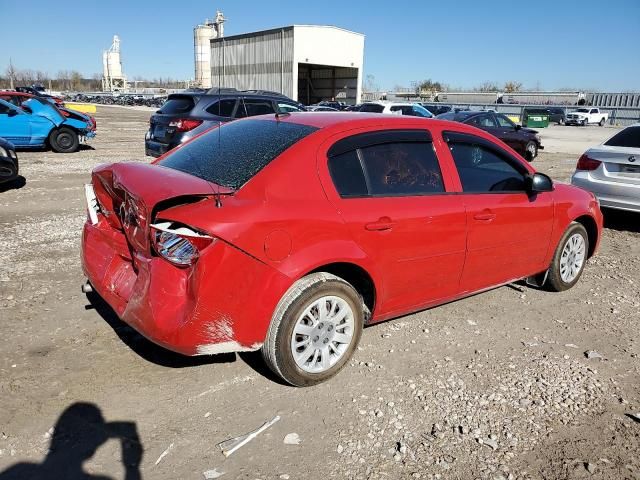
[629, 137]
[177, 105]
[233, 153]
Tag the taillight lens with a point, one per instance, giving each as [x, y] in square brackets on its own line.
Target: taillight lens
[178, 244]
[587, 163]
[185, 124]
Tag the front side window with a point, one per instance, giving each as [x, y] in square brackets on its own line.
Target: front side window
[482, 121]
[251, 107]
[504, 122]
[484, 170]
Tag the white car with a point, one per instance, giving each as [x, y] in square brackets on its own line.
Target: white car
[612, 170]
[396, 108]
[585, 116]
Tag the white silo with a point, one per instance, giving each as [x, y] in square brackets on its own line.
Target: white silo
[202, 36]
[112, 77]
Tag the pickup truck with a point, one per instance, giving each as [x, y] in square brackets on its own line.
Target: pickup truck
[585, 116]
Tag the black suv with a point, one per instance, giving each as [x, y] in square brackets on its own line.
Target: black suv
[185, 115]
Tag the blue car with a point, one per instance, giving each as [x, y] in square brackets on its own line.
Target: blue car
[40, 124]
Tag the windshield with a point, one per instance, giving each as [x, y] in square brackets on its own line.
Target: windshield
[233, 153]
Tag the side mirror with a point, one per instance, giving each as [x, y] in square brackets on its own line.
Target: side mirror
[12, 113]
[539, 182]
[518, 127]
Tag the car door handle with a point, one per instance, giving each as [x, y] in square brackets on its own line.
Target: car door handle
[383, 223]
[485, 216]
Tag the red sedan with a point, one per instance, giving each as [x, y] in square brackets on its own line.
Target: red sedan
[290, 233]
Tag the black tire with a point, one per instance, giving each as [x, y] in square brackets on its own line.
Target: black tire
[530, 151]
[561, 121]
[277, 351]
[64, 140]
[585, 123]
[601, 122]
[555, 282]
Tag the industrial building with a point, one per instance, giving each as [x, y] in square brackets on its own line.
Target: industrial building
[308, 63]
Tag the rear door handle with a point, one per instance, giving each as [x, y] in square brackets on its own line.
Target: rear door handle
[383, 223]
[485, 216]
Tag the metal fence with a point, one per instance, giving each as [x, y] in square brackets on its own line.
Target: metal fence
[617, 115]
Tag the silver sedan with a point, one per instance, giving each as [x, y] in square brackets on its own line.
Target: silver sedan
[612, 170]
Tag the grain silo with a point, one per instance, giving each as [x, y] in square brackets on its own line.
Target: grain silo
[202, 36]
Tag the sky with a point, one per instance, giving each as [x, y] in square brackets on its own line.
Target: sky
[587, 45]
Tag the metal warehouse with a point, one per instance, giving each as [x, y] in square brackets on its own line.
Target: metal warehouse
[308, 63]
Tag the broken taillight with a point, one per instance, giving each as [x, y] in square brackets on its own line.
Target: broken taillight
[177, 243]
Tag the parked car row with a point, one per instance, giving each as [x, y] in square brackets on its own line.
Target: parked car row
[122, 99]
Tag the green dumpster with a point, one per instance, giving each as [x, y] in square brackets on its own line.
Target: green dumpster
[537, 120]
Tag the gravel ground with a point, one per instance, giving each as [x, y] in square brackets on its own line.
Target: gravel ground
[496, 386]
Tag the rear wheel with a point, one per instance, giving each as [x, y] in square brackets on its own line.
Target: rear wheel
[530, 151]
[569, 259]
[64, 140]
[314, 330]
[561, 121]
[601, 122]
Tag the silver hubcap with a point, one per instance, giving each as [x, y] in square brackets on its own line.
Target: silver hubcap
[322, 334]
[572, 259]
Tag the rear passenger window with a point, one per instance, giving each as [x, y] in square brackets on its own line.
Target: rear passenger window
[482, 170]
[347, 175]
[223, 108]
[402, 169]
[253, 107]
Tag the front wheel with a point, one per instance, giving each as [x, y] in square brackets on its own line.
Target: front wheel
[314, 330]
[530, 151]
[64, 140]
[561, 121]
[569, 259]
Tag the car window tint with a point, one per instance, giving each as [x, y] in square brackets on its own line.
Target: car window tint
[504, 122]
[372, 108]
[629, 137]
[409, 168]
[223, 108]
[482, 121]
[419, 111]
[347, 174]
[482, 170]
[253, 107]
[181, 104]
[233, 153]
[4, 109]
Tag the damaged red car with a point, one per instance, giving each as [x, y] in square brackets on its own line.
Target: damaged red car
[290, 233]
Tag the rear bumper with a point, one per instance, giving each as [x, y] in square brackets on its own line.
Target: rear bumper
[617, 195]
[222, 304]
[154, 148]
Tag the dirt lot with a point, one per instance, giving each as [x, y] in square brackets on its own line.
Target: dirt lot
[495, 386]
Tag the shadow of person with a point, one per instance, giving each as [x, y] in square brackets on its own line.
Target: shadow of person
[77, 435]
